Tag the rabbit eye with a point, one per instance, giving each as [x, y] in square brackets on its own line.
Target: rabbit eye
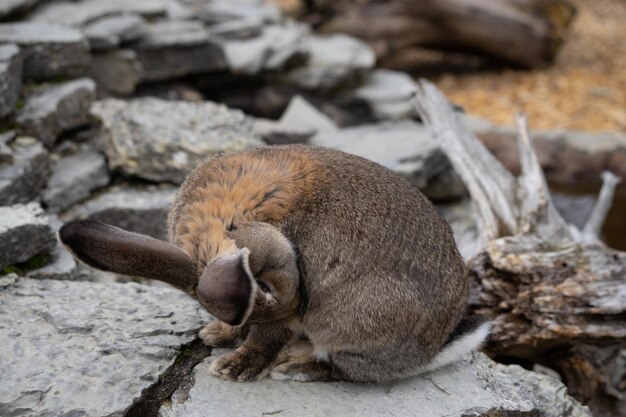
[264, 286]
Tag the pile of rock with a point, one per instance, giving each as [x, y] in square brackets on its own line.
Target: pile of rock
[82, 136]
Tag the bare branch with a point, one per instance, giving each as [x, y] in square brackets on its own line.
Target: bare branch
[593, 227]
[491, 186]
[538, 215]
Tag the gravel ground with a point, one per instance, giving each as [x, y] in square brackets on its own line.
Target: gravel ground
[584, 90]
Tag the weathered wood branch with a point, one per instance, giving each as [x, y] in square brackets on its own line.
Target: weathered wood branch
[591, 231]
[556, 299]
[525, 32]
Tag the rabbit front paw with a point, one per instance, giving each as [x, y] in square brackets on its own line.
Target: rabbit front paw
[218, 334]
[244, 364]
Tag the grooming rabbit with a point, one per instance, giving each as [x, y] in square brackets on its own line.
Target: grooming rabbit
[326, 265]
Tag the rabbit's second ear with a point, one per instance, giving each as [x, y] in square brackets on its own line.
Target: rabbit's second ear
[227, 288]
[113, 249]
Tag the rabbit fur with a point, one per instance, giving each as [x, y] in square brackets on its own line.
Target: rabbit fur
[318, 265]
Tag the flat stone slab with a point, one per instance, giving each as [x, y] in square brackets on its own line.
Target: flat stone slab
[25, 173]
[218, 11]
[49, 50]
[80, 13]
[333, 59]
[275, 47]
[388, 94]
[11, 64]
[470, 387]
[74, 178]
[110, 31]
[303, 115]
[51, 110]
[140, 210]
[404, 147]
[86, 349]
[24, 233]
[171, 49]
[163, 140]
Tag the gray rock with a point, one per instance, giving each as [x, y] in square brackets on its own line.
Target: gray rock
[12, 7]
[141, 210]
[244, 28]
[163, 140]
[277, 133]
[171, 49]
[86, 349]
[219, 11]
[303, 115]
[471, 387]
[74, 178]
[405, 147]
[388, 94]
[117, 71]
[273, 49]
[81, 13]
[53, 109]
[333, 60]
[6, 153]
[10, 77]
[460, 215]
[23, 178]
[24, 233]
[48, 50]
[110, 31]
[445, 186]
[62, 264]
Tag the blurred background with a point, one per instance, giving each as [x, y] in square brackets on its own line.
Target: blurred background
[106, 105]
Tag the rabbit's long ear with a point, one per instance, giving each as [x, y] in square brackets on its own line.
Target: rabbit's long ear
[227, 288]
[113, 249]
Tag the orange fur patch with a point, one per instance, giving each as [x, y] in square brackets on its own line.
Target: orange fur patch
[236, 188]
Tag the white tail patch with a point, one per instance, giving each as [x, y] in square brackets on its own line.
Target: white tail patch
[456, 349]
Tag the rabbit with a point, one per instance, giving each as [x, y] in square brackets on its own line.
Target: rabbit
[319, 265]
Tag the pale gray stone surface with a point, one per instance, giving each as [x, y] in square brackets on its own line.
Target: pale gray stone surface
[26, 174]
[469, 387]
[80, 13]
[388, 94]
[6, 153]
[51, 110]
[243, 28]
[164, 140]
[61, 264]
[110, 31]
[276, 46]
[218, 11]
[86, 349]
[24, 233]
[74, 178]
[461, 218]
[302, 114]
[11, 64]
[48, 50]
[142, 210]
[333, 59]
[405, 147]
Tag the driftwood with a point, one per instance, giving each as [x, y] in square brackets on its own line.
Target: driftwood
[525, 32]
[556, 293]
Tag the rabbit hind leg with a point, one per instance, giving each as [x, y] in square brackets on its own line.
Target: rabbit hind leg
[298, 361]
